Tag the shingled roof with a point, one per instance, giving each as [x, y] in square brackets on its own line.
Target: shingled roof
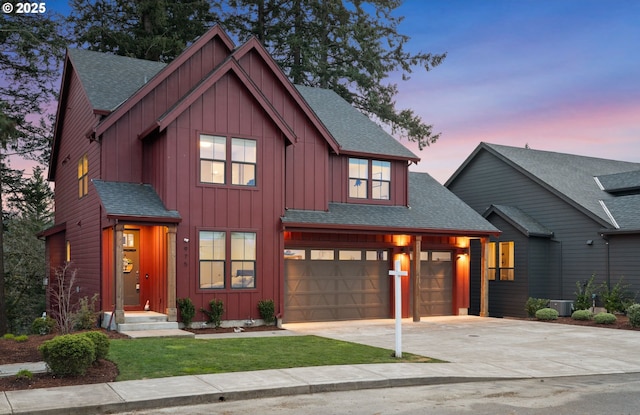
[520, 220]
[432, 209]
[353, 130]
[570, 177]
[109, 79]
[133, 200]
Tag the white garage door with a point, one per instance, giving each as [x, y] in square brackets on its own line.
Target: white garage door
[336, 284]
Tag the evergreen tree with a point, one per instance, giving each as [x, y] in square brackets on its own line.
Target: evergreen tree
[31, 50]
[157, 30]
[30, 213]
[348, 46]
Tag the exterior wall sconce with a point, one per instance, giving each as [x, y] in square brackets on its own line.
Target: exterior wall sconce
[589, 241]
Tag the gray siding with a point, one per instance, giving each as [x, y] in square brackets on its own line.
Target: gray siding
[487, 180]
[624, 260]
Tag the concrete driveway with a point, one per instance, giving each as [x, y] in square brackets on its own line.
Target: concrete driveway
[496, 346]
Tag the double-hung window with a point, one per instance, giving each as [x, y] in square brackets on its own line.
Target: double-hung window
[214, 266]
[243, 162]
[213, 156]
[212, 259]
[216, 155]
[369, 179]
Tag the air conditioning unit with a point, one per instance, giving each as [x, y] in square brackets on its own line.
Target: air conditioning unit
[563, 307]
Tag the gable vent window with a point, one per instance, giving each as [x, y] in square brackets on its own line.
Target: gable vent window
[83, 176]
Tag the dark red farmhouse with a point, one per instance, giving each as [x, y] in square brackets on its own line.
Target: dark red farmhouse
[214, 177]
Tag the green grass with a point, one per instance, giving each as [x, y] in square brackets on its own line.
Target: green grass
[164, 357]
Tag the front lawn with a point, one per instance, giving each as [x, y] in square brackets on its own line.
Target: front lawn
[163, 357]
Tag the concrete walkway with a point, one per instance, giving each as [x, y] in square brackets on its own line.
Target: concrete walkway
[477, 349]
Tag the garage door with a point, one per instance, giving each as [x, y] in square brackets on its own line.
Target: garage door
[436, 283]
[336, 284]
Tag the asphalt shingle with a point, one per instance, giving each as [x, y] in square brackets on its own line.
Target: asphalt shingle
[132, 200]
[109, 79]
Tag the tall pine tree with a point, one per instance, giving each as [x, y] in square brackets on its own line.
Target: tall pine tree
[349, 46]
[31, 51]
[157, 30]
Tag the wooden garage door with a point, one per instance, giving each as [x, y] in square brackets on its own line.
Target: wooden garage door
[436, 283]
[336, 284]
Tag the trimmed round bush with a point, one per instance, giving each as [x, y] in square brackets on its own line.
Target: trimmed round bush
[605, 318]
[547, 314]
[582, 315]
[68, 355]
[633, 312]
[100, 341]
[43, 326]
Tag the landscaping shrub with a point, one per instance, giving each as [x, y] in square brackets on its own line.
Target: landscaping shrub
[633, 312]
[215, 315]
[605, 318]
[86, 318]
[100, 341]
[24, 374]
[547, 314]
[9, 336]
[267, 311]
[21, 339]
[43, 325]
[187, 310]
[69, 354]
[618, 298]
[584, 294]
[582, 315]
[534, 304]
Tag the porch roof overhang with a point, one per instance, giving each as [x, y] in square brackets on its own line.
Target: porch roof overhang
[52, 230]
[519, 220]
[133, 202]
[344, 217]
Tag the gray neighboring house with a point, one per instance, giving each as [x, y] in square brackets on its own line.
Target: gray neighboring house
[563, 219]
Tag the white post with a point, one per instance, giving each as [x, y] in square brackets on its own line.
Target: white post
[397, 273]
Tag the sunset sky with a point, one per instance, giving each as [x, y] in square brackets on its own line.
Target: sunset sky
[558, 75]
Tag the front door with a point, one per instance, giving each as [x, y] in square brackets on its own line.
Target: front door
[131, 268]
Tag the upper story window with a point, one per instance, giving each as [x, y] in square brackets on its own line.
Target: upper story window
[376, 188]
[243, 162]
[215, 155]
[83, 176]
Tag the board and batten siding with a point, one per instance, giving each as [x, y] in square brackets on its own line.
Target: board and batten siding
[227, 108]
[623, 260]
[82, 215]
[487, 180]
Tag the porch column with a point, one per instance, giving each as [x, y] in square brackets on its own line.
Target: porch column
[417, 247]
[118, 257]
[171, 311]
[484, 277]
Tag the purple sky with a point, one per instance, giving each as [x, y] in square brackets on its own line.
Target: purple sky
[558, 75]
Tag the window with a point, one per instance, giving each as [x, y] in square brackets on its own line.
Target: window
[501, 261]
[322, 254]
[345, 255]
[243, 162]
[213, 154]
[212, 259]
[83, 176]
[68, 252]
[506, 261]
[360, 187]
[380, 179]
[243, 260]
[491, 261]
[358, 175]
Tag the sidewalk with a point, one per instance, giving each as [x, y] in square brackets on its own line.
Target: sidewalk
[478, 349]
